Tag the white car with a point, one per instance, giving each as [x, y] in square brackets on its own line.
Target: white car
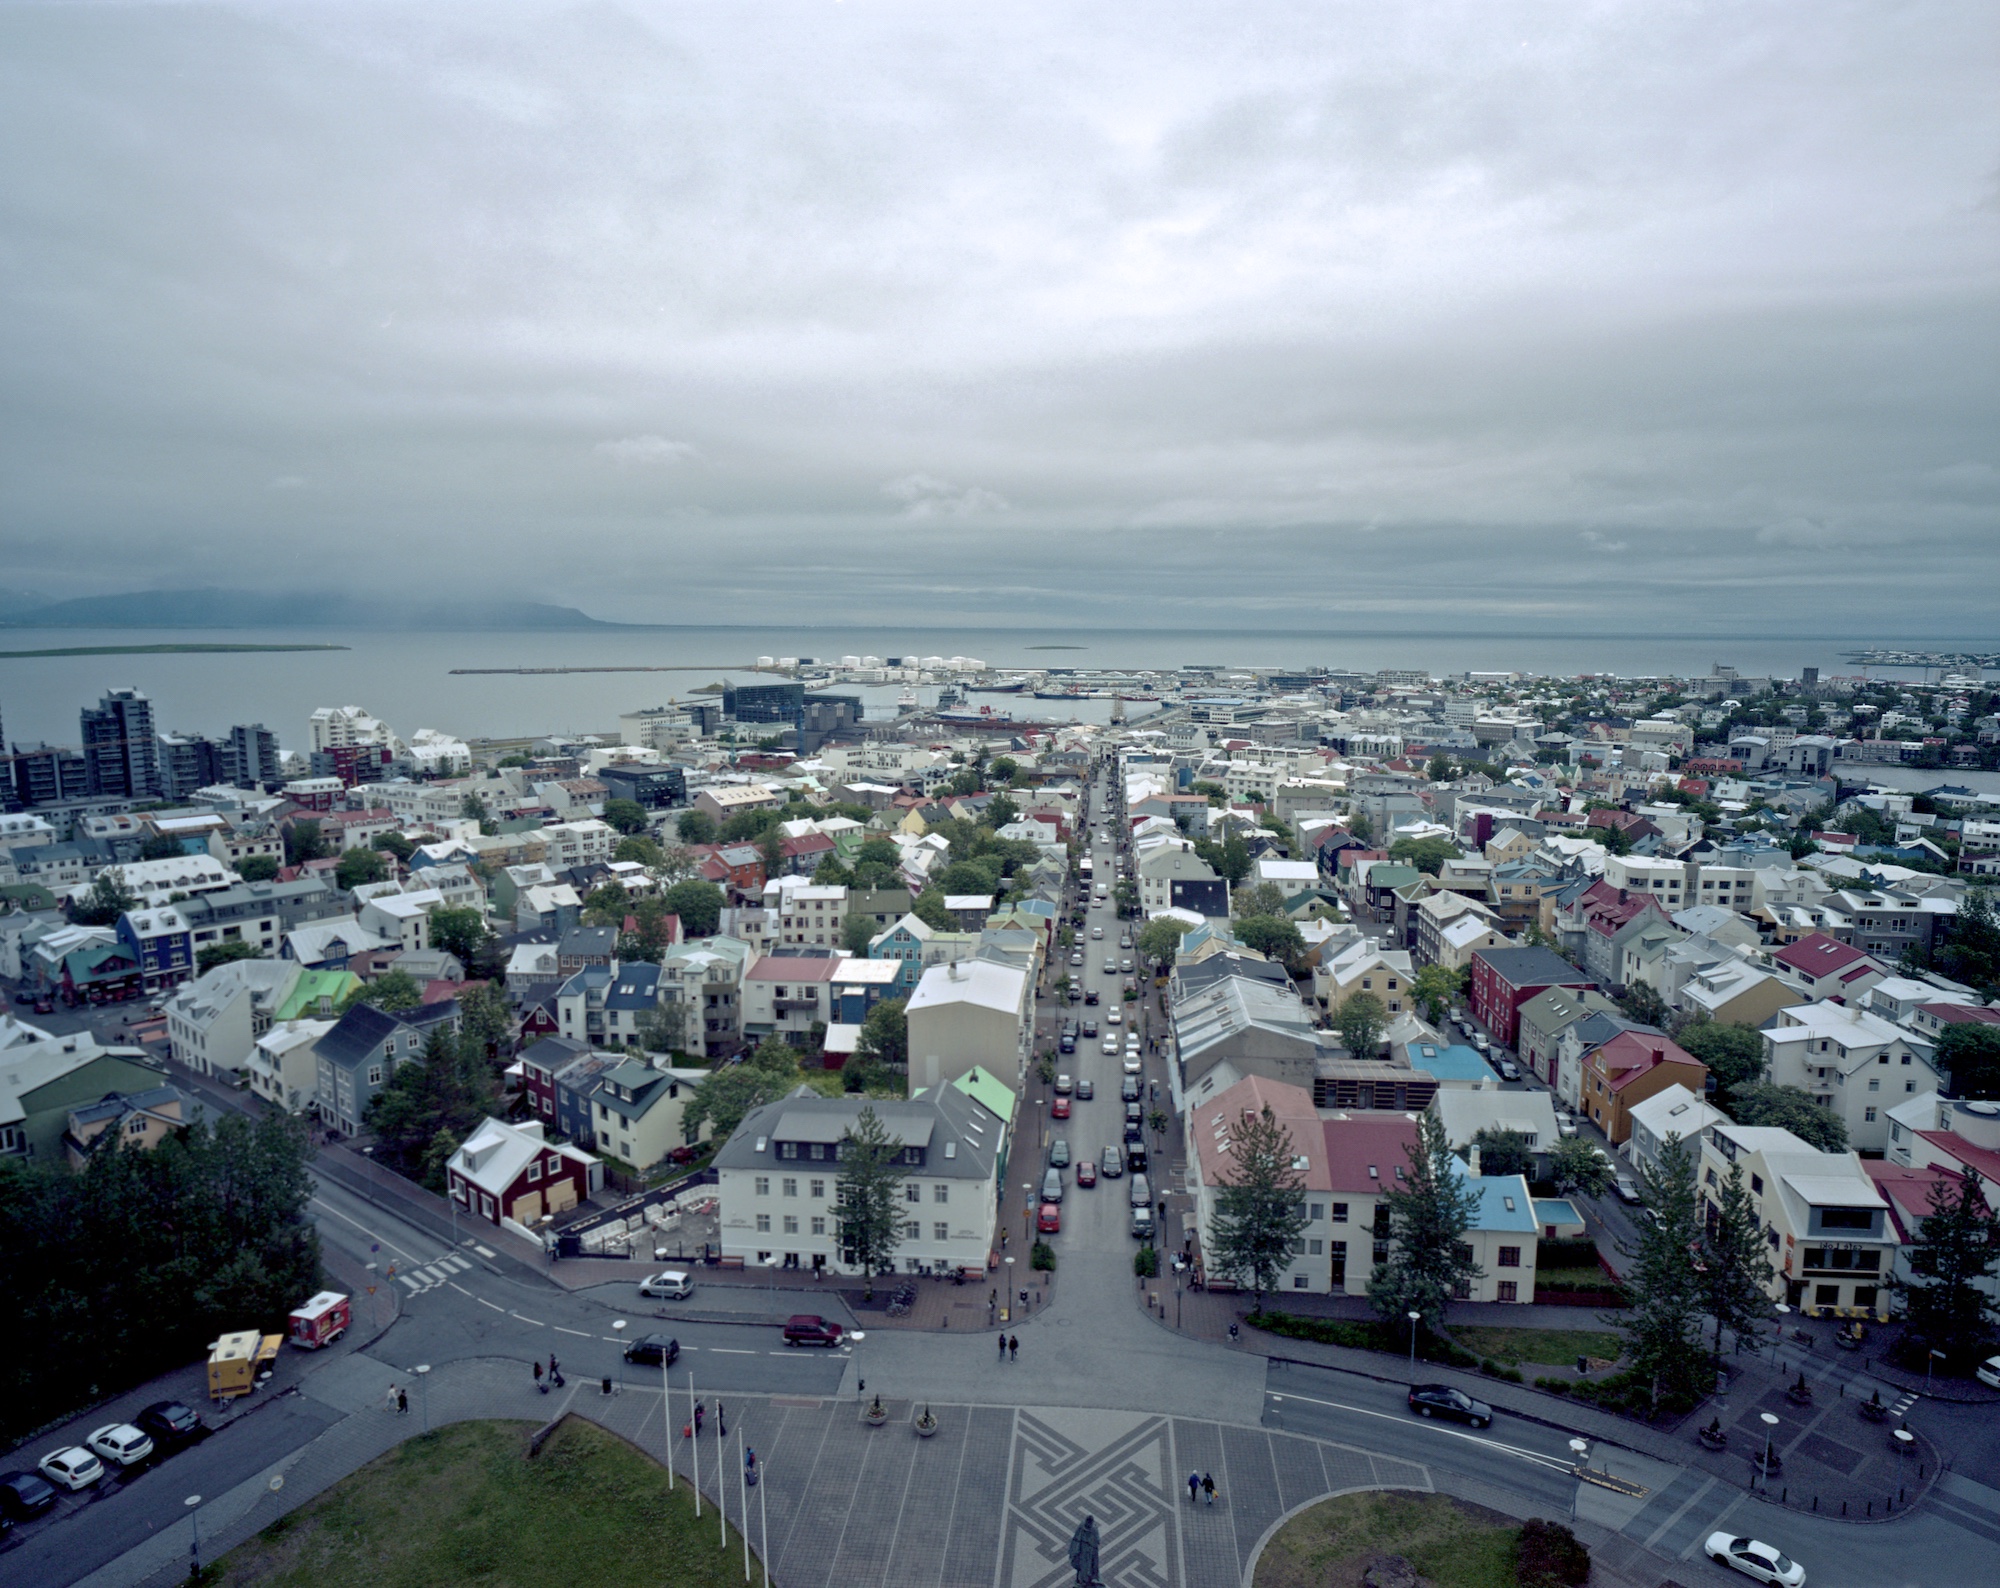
[1628, 1189]
[1097, 931]
[1764, 1562]
[71, 1467]
[673, 1285]
[121, 1444]
[1111, 1047]
[1112, 1017]
[1132, 1064]
[1988, 1372]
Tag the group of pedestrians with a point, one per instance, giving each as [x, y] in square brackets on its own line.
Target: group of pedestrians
[1200, 1487]
[398, 1400]
[1010, 1347]
[555, 1379]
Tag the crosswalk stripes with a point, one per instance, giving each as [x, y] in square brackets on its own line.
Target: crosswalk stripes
[430, 1276]
[1909, 1399]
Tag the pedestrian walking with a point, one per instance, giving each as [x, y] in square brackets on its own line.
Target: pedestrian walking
[402, 1401]
[1194, 1486]
[389, 1400]
[700, 1411]
[1003, 1345]
[555, 1373]
[1013, 1347]
[1208, 1488]
[538, 1377]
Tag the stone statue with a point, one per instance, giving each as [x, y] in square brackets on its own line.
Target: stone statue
[1083, 1554]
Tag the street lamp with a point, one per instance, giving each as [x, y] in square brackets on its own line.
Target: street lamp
[1935, 1357]
[423, 1372]
[1778, 1338]
[1415, 1319]
[1007, 1311]
[618, 1333]
[193, 1502]
[1770, 1453]
[1579, 1449]
[860, 1383]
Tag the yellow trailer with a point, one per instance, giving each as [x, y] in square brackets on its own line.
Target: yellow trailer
[237, 1360]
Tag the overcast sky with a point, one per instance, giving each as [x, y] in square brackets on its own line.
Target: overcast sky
[1652, 316]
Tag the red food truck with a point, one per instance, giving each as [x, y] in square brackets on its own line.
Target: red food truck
[320, 1321]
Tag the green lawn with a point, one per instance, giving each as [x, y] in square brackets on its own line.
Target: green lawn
[1550, 1347]
[1329, 1545]
[465, 1506]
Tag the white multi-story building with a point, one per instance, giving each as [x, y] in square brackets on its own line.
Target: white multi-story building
[284, 1064]
[1849, 1061]
[1215, 1129]
[341, 727]
[214, 1022]
[967, 1014]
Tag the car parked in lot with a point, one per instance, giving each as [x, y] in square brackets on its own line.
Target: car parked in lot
[1064, 1086]
[653, 1350]
[804, 1328]
[1059, 1109]
[673, 1285]
[120, 1444]
[1059, 1153]
[169, 1422]
[1764, 1562]
[1441, 1400]
[1111, 1163]
[1049, 1220]
[1128, 1089]
[1052, 1186]
[71, 1467]
[25, 1494]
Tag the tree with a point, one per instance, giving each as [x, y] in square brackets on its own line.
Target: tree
[1736, 1266]
[929, 908]
[1947, 1303]
[1435, 987]
[1258, 898]
[830, 873]
[485, 1021]
[869, 1184]
[445, 1092]
[394, 844]
[304, 841]
[360, 866]
[158, 846]
[1429, 1214]
[699, 905]
[1002, 770]
[771, 850]
[1734, 1055]
[1440, 769]
[1971, 953]
[746, 826]
[1642, 1002]
[605, 905]
[1763, 1103]
[224, 954]
[461, 933]
[1001, 812]
[393, 992]
[1663, 1327]
[1575, 1168]
[640, 850]
[1160, 938]
[1360, 1022]
[1260, 1208]
[107, 899]
[259, 868]
[662, 1028]
[857, 932]
[1428, 855]
[724, 1097]
[1272, 936]
[628, 816]
[1970, 1054]
[695, 827]
[1503, 1151]
[885, 1034]
[651, 936]
[473, 808]
[1229, 860]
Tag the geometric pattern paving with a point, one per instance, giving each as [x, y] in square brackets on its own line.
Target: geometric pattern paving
[1069, 1465]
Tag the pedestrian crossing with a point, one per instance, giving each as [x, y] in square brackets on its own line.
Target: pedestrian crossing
[1908, 1399]
[419, 1280]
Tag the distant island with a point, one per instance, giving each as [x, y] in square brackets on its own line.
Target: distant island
[1058, 647]
[162, 650]
[256, 609]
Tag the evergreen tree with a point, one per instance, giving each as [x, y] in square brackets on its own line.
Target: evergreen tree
[106, 901]
[1434, 988]
[1947, 1304]
[1789, 1108]
[1260, 1208]
[1734, 1055]
[1429, 1214]
[1503, 1151]
[1575, 1168]
[870, 1186]
[885, 1034]
[1736, 1268]
[1360, 1022]
[1663, 1327]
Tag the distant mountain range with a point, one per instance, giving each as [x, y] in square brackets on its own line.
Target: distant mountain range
[253, 609]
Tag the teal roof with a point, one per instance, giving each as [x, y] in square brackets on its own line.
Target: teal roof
[1552, 1211]
[1504, 1203]
[1454, 1063]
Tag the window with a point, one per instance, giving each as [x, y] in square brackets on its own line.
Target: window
[791, 1224]
[819, 1226]
[1757, 1184]
[913, 1193]
[1708, 1177]
[1826, 1295]
[1864, 1296]
[790, 1188]
[1868, 1116]
[1313, 1247]
[1874, 1086]
[763, 1185]
[1508, 1290]
[374, 1075]
[1846, 1219]
[1340, 1213]
[819, 1190]
[1510, 1257]
[940, 1231]
[940, 1193]
[1299, 1281]
[788, 1149]
[534, 1171]
[763, 1224]
[911, 1230]
[1381, 1251]
[1316, 1211]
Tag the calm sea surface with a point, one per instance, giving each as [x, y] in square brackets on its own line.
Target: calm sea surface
[407, 678]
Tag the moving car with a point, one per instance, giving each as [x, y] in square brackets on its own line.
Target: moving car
[1112, 1164]
[1059, 1109]
[1441, 1400]
[1059, 1153]
[1110, 1048]
[1076, 962]
[120, 1444]
[1114, 1017]
[1086, 1090]
[1064, 1086]
[1764, 1562]
[72, 1467]
[1049, 1220]
[1097, 931]
[1111, 967]
[653, 1350]
[1089, 1030]
[169, 1422]
[25, 1494]
[1132, 1064]
[1090, 995]
[1086, 1173]
[804, 1328]
[672, 1285]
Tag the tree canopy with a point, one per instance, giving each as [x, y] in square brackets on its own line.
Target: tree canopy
[206, 959]
[304, 841]
[1273, 936]
[1503, 1151]
[1948, 1300]
[870, 1187]
[1434, 988]
[699, 905]
[627, 816]
[394, 991]
[1789, 1108]
[1428, 855]
[1663, 1327]
[885, 1034]
[1970, 1053]
[459, 932]
[695, 827]
[1260, 1208]
[1160, 938]
[107, 899]
[1734, 1055]
[259, 868]
[929, 907]
[1361, 1021]
[1429, 1212]
[359, 866]
[1230, 860]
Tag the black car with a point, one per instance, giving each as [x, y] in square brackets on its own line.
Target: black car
[1128, 1091]
[169, 1422]
[1441, 1400]
[25, 1494]
[653, 1350]
[1086, 1090]
[1090, 995]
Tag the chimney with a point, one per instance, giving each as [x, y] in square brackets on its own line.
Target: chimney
[1472, 1160]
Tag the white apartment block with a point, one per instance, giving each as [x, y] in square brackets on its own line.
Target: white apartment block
[1850, 1061]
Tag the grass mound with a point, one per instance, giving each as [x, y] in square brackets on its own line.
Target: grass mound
[1329, 1545]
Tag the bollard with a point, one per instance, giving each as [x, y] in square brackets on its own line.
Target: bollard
[1785, 1495]
[1902, 1494]
[1843, 1508]
[1815, 1502]
[1871, 1507]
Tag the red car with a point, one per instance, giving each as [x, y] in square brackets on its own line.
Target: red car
[1059, 1109]
[1049, 1222]
[1086, 1173]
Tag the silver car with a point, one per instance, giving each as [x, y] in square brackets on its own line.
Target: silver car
[673, 1285]
[121, 1444]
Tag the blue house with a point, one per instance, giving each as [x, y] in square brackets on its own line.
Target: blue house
[163, 944]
